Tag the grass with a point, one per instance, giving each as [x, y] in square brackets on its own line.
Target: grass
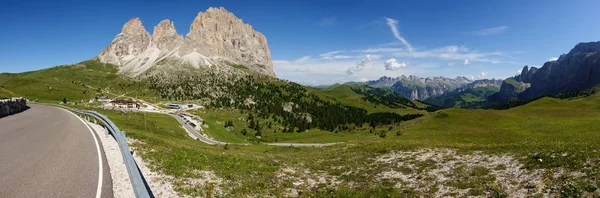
[345, 95]
[77, 83]
[548, 135]
[215, 120]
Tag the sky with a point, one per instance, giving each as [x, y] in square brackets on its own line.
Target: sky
[323, 42]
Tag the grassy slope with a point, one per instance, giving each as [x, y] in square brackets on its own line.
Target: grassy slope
[538, 130]
[345, 95]
[468, 98]
[545, 121]
[56, 83]
[216, 118]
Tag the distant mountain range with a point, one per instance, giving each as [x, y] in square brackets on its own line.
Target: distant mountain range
[414, 87]
[578, 70]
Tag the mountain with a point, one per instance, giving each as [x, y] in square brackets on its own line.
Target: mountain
[417, 88]
[472, 95]
[216, 38]
[383, 82]
[575, 71]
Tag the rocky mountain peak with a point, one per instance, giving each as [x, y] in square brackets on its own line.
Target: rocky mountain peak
[589, 47]
[216, 38]
[165, 28]
[134, 27]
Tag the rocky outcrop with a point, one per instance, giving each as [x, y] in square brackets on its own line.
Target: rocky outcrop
[417, 88]
[216, 38]
[575, 71]
[12, 106]
[509, 90]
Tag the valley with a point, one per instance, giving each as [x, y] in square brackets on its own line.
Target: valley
[534, 134]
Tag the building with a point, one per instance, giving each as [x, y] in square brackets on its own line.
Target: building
[130, 104]
[172, 106]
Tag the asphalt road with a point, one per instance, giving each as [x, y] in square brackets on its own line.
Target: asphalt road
[194, 132]
[48, 152]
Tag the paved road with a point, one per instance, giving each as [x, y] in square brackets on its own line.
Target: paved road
[49, 152]
[194, 133]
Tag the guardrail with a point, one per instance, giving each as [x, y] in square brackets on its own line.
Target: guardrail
[138, 184]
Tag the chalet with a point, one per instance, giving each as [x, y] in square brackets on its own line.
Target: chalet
[125, 104]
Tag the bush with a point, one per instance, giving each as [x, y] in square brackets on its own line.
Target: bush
[382, 134]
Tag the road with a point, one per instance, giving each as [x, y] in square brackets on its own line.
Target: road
[49, 152]
[194, 133]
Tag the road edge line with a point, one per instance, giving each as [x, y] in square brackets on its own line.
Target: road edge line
[100, 167]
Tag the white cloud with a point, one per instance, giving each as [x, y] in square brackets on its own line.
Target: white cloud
[303, 59]
[483, 75]
[327, 21]
[451, 64]
[392, 64]
[490, 31]
[393, 24]
[553, 59]
[363, 79]
[466, 62]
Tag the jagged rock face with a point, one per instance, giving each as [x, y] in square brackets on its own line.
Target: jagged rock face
[128, 46]
[577, 70]
[417, 88]
[216, 38]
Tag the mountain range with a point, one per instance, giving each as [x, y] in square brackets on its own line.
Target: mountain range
[216, 38]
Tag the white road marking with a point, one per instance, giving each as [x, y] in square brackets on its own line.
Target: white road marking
[99, 189]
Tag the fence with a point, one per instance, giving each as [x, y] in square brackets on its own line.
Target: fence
[138, 184]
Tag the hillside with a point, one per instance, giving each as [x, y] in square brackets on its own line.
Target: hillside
[546, 148]
[275, 105]
[371, 99]
[469, 98]
[77, 83]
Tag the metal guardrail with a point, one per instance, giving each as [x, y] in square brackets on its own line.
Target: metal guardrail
[140, 188]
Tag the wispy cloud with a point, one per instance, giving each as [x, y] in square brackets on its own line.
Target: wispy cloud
[453, 52]
[371, 23]
[392, 64]
[466, 62]
[360, 65]
[552, 58]
[490, 31]
[393, 24]
[327, 21]
[334, 55]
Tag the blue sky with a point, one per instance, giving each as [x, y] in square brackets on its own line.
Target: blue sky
[323, 42]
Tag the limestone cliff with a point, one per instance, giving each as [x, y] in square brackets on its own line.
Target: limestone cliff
[216, 38]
